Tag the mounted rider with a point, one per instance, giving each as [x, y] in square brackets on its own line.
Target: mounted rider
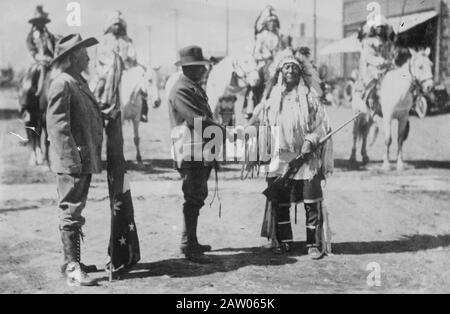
[41, 45]
[294, 109]
[267, 37]
[114, 41]
[377, 57]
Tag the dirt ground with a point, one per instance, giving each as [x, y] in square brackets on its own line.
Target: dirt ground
[399, 220]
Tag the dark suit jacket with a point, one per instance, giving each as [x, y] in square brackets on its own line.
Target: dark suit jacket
[188, 101]
[75, 126]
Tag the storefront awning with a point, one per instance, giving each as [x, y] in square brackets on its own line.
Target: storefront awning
[400, 25]
[345, 45]
[406, 22]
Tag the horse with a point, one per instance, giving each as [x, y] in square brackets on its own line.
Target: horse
[138, 84]
[34, 101]
[233, 75]
[396, 101]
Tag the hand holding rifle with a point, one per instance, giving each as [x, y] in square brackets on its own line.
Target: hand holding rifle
[312, 143]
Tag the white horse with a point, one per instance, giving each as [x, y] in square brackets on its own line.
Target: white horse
[171, 82]
[231, 76]
[396, 101]
[138, 84]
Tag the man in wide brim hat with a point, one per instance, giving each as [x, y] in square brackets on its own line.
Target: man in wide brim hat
[75, 132]
[188, 103]
[70, 43]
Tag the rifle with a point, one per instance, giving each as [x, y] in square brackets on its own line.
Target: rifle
[295, 164]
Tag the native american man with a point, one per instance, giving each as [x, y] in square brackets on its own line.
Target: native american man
[377, 54]
[294, 109]
[115, 40]
[267, 37]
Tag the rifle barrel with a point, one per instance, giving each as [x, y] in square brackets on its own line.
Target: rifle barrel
[326, 138]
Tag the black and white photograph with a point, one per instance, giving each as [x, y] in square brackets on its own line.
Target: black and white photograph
[209, 148]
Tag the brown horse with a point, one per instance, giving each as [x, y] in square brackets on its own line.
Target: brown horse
[33, 101]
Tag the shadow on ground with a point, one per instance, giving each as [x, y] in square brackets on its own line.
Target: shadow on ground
[346, 165]
[226, 261]
[412, 243]
[231, 259]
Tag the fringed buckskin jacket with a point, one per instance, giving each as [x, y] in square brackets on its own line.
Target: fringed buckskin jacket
[291, 116]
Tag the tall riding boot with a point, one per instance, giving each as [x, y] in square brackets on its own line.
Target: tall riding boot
[188, 236]
[189, 239]
[74, 273]
[199, 247]
[69, 248]
[71, 254]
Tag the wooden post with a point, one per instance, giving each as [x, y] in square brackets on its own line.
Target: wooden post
[315, 30]
[227, 29]
[437, 57]
[149, 45]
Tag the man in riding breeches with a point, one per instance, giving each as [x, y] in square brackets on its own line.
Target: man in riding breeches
[75, 131]
[188, 105]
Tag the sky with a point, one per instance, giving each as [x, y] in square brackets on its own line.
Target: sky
[151, 24]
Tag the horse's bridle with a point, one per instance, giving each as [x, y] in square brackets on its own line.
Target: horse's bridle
[416, 81]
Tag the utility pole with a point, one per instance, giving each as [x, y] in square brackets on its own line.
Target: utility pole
[149, 28]
[227, 29]
[315, 30]
[176, 14]
[437, 57]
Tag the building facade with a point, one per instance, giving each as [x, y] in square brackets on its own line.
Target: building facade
[433, 32]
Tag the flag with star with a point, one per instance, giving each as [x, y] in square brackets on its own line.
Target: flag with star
[123, 247]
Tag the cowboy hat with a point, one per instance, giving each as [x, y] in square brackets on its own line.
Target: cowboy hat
[39, 16]
[69, 43]
[191, 55]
